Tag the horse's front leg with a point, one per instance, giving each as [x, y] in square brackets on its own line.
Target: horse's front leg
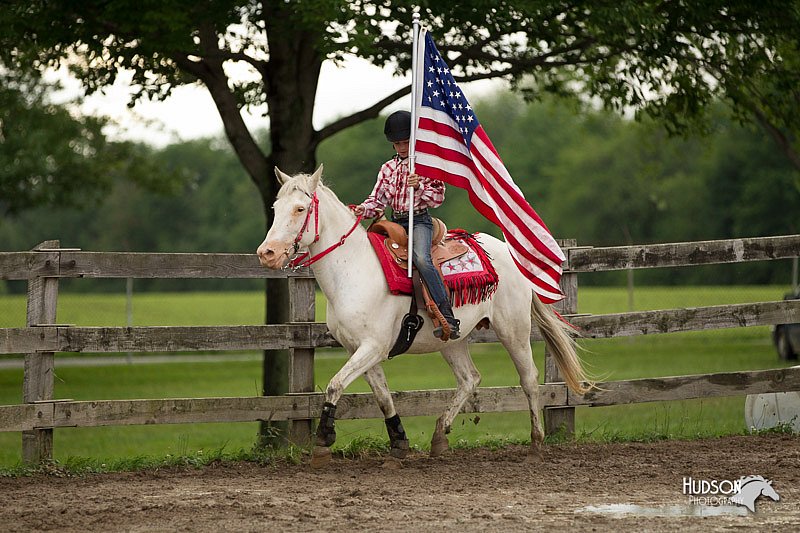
[398, 441]
[364, 358]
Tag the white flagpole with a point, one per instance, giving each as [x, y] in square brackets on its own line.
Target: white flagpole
[413, 138]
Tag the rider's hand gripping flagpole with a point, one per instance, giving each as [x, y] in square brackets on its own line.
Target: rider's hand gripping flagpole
[413, 138]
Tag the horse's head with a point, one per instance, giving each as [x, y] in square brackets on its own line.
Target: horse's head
[292, 226]
[768, 491]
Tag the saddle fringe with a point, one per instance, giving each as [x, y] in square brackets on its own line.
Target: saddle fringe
[472, 288]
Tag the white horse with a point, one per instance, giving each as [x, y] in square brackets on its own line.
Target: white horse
[365, 317]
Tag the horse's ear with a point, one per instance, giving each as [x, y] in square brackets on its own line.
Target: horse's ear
[282, 178]
[315, 177]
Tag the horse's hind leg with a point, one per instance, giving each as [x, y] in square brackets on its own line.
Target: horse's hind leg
[516, 340]
[467, 380]
[398, 440]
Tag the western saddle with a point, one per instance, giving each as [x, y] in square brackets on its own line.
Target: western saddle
[442, 249]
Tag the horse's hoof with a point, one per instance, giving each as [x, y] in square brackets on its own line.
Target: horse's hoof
[392, 463]
[534, 456]
[320, 456]
[439, 446]
[399, 449]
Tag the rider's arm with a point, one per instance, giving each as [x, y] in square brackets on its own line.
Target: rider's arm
[431, 192]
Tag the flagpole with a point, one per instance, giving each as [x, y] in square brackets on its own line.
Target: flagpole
[412, 140]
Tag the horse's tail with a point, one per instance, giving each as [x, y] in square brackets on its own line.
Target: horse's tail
[557, 337]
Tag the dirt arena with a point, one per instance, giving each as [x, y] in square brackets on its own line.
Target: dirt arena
[587, 487]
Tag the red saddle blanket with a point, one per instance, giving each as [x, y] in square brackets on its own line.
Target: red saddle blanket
[470, 278]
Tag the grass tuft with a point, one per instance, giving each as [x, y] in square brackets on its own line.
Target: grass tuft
[782, 428]
[362, 446]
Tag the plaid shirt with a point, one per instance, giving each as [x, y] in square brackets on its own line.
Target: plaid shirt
[391, 190]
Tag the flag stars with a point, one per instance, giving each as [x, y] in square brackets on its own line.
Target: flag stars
[441, 93]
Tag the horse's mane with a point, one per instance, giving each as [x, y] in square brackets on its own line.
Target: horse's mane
[748, 479]
[297, 183]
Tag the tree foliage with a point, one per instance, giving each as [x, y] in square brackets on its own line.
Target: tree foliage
[50, 157]
[667, 59]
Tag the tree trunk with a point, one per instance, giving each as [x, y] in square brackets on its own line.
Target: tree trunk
[290, 78]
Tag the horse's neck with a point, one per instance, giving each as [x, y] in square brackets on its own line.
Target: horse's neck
[344, 272]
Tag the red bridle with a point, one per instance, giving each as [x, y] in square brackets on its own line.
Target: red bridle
[300, 261]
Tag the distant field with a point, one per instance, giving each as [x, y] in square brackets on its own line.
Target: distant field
[675, 354]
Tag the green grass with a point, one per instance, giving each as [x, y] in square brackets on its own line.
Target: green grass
[149, 309]
[122, 447]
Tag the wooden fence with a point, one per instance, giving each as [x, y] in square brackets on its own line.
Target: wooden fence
[43, 337]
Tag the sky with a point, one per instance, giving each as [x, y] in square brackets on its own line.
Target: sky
[190, 113]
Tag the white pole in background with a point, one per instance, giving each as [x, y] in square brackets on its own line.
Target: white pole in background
[129, 310]
[413, 138]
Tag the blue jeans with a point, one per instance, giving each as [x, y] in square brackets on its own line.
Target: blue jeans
[421, 257]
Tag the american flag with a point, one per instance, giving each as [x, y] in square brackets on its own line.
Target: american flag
[452, 146]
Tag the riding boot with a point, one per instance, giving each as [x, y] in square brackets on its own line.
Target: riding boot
[447, 312]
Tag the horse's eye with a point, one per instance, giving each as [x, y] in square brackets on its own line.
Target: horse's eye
[301, 209]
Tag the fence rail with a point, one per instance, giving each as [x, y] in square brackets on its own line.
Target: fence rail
[590, 259]
[300, 406]
[43, 337]
[63, 338]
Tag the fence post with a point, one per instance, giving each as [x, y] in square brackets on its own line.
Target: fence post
[37, 384]
[302, 297]
[561, 419]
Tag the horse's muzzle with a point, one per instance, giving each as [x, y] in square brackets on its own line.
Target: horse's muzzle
[272, 255]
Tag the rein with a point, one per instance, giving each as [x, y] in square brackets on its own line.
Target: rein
[303, 261]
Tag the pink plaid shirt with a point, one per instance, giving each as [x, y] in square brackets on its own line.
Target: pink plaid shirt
[391, 190]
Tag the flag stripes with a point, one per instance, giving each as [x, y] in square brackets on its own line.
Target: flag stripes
[451, 146]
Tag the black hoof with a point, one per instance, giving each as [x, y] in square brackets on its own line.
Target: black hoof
[399, 449]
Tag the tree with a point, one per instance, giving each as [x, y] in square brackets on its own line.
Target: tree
[48, 157]
[667, 59]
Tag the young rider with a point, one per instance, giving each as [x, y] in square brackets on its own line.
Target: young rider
[391, 190]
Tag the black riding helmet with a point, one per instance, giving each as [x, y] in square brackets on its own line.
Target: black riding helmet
[398, 126]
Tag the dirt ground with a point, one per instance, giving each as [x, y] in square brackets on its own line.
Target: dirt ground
[586, 487]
